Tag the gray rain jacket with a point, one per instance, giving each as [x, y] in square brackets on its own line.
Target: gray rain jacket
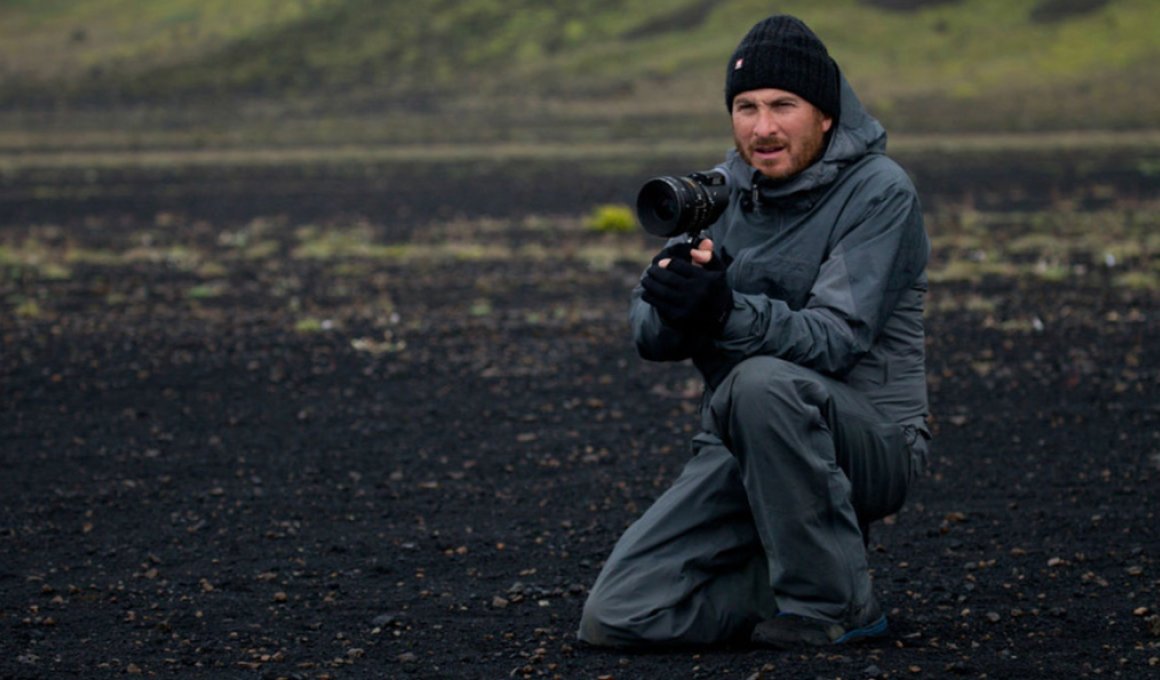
[827, 270]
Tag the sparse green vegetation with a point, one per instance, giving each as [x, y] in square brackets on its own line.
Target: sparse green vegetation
[207, 290]
[612, 219]
[480, 307]
[1146, 280]
[1117, 248]
[1056, 245]
[340, 242]
[312, 324]
[235, 73]
[27, 309]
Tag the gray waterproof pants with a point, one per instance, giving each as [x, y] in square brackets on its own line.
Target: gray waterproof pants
[765, 517]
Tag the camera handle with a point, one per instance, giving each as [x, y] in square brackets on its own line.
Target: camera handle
[695, 237]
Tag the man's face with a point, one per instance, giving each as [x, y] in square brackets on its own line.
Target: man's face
[777, 132]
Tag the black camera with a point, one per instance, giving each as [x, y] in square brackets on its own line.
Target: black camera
[668, 206]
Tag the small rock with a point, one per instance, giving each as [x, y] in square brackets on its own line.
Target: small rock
[407, 657]
[959, 668]
[383, 620]
[499, 602]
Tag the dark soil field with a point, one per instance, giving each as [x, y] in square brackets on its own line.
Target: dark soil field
[317, 434]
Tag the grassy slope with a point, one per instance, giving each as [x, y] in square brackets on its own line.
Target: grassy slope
[615, 68]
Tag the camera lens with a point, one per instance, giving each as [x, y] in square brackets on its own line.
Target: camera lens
[669, 206]
[658, 205]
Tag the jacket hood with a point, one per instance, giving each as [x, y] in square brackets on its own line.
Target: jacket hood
[856, 135]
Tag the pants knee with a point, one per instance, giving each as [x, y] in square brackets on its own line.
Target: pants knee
[596, 627]
[760, 378]
[761, 385]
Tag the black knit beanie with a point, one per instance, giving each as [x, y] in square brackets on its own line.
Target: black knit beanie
[783, 53]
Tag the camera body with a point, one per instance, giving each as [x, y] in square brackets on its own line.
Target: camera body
[669, 206]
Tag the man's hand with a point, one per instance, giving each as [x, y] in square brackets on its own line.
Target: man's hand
[701, 255]
[689, 293]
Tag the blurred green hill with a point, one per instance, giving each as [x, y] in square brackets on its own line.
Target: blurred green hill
[533, 70]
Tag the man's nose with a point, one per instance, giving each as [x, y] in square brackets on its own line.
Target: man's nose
[766, 124]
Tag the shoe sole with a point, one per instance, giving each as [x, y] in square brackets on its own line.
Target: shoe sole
[874, 630]
[818, 638]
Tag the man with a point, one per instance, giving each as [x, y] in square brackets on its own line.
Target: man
[803, 312]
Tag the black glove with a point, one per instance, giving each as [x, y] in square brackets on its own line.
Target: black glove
[689, 297]
[677, 251]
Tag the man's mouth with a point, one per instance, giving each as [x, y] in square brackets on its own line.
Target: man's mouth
[767, 150]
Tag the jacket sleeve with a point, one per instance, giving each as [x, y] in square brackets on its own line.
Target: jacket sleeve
[655, 340]
[878, 256]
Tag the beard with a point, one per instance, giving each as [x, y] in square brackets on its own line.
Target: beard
[780, 158]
